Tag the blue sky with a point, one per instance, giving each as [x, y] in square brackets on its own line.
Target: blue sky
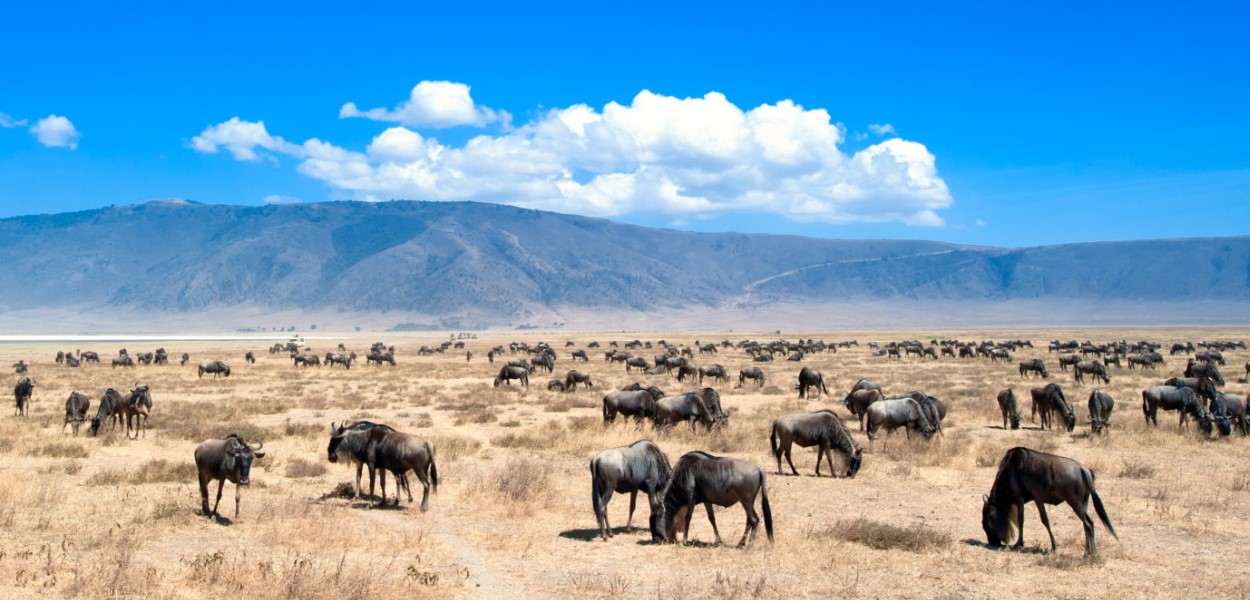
[1012, 125]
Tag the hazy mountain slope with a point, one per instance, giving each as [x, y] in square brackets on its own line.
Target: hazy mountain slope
[492, 262]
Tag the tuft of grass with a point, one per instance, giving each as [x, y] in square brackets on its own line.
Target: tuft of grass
[884, 536]
[59, 450]
[1137, 469]
[454, 447]
[163, 471]
[1066, 562]
[523, 480]
[297, 468]
[290, 429]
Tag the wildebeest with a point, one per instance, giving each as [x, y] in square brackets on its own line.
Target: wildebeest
[1068, 359]
[70, 361]
[76, 407]
[339, 359]
[91, 357]
[137, 410]
[1009, 407]
[216, 367]
[576, 354]
[1234, 408]
[573, 377]
[700, 406]
[1025, 476]
[123, 361]
[20, 367]
[822, 429]
[508, 373]
[186, 358]
[1049, 400]
[1091, 367]
[640, 466]
[1183, 399]
[809, 377]
[1211, 356]
[381, 447]
[639, 404]
[753, 373]
[378, 357]
[713, 370]
[1203, 386]
[997, 354]
[1033, 365]
[22, 393]
[1197, 369]
[227, 459]
[858, 402]
[701, 478]
[1140, 359]
[1100, 406]
[249, 357]
[686, 371]
[636, 362]
[111, 409]
[894, 413]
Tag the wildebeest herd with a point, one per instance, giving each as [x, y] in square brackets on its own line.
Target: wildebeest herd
[675, 490]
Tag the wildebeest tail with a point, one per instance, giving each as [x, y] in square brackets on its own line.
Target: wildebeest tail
[433, 468]
[822, 386]
[1088, 476]
[594, 486]
[768, 511]
[772, 440]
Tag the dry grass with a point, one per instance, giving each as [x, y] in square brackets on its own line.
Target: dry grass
[111, 517]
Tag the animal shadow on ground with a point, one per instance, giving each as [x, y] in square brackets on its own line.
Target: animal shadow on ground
[1024, 550]
[587, 535]
[218, 519]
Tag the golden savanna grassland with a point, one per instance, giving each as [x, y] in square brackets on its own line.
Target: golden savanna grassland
[98, 517]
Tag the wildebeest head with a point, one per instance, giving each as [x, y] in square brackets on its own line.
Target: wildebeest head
[998, 522]
[854, 461]
[244, 455]
[95, 426]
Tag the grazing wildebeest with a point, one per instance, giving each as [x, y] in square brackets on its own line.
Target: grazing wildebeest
[338, 359]
[112, 408]
[713, 370]
[580, 354]
[1111, 359]
[640, 466]
[91, 357]
[226, 459]
[20, 366]
[809, 377]
[639, 404]
[508, 373]
[1184, 399]
[997, 354]
[22, 393]
[1203, 386]
[1197, 369]
[686, 371]
[822, 429]
[1010, 408]
[1211, 356]
[249, 357]
[690, 407]
[123, 361]
[186, 358]
[381, 447]
[1025, 476]
[381, 357]
[545, 361]
[1068, 359]
[60, 356]
[935, 411]
[1140, 359]
[858, 402]
[145, 358]
[1234, 408]
[572, 378]
[1035, 366]
[894, 413]
[701, 478]
[76, 408]
[137, 410]
[216, 367]
[555, 385]
[636, 362]
[70, 361]
[1091, 367]
[1049, 400]
[1100, 406]
[753, 373]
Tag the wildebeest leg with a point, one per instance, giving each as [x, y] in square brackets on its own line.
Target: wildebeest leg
[1041, 512]
[753, 523]
[204, 494]
[711, 517]
[220, 484]
[1019, 527]
[382, 479]
[408, 490]
[1082, 510]
[791, 462]
[685, 536]
[238, 491]
[372, 475]
[360, 467]
[633, 500]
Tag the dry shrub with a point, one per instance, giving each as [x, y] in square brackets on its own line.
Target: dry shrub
[567, 403]
[1137, 469]
[883, 536]
[522, 480]
[291, 429]
[479, 416]
[989, 456]
[6, 445]
[293, 576]
[529, 440]
[592, 584]
[454, 447]
[739, 585]
[1067, 562]
[773, 390]
[163, 471]
[297, 468]
[107, 477]
[59, 450]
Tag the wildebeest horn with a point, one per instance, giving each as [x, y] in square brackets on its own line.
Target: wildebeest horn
[259, 445]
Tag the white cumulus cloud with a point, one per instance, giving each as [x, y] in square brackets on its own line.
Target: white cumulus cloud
[686, 158]
[8, 122]
[432, 104]
[56, 132]
[882, 129]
